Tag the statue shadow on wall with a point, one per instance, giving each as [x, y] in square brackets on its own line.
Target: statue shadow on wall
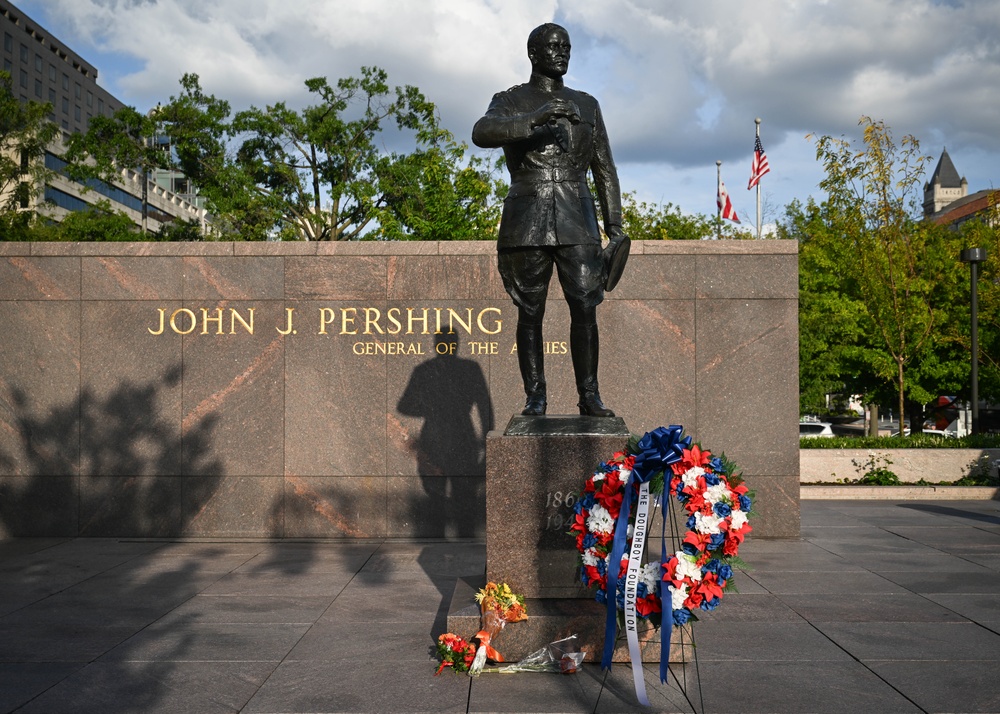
[131, 459]
[451, 395]
[450, 448]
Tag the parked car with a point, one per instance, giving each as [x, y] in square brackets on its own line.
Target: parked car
[929, 432]
[813, 429]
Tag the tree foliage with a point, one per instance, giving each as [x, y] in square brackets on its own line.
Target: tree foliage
[25, 132]
[883, 297]
[651, 221]
[322, 172]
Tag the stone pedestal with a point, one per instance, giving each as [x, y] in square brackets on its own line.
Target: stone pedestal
[534, 471]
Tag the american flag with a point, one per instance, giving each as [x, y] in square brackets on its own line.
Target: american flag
[725, 205]
[759, 166]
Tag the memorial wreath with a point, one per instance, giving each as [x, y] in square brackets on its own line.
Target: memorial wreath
[612, 516]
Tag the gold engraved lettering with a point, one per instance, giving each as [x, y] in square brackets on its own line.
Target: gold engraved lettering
[344, 320]
[162, 311]
[326, 317]
[410, 319]
[205, 319]
[498, 325]
[483, 348]
[234, 316]
[392, 319]
[288, 327]
[173, 321]
[437, 321]
[453, 318]
[372, 321]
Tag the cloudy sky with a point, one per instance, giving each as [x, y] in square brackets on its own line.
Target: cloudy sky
[680, 82]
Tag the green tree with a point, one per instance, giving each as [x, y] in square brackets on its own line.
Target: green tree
[321, 173]
[646, 221]
[25, 132]
[899, 270]
[124, 140]
[98, 223]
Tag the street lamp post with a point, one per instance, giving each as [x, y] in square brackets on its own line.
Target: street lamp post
[974, 256]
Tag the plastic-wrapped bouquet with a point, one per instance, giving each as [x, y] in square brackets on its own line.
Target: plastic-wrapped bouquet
[498, 605]
[562, 656]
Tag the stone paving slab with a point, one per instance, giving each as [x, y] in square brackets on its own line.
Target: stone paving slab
[880, 607]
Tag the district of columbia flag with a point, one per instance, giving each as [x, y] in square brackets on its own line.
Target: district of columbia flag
[725, 205]
[759, 166]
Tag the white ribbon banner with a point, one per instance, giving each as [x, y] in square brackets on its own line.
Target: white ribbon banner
[631, 584]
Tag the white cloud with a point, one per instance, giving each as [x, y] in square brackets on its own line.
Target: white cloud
[680, 83]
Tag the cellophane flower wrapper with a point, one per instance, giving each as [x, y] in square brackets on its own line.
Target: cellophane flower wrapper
[561, 656]
[492, 623]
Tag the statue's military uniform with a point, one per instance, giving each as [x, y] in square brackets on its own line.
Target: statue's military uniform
[550, 204]
[549, 218]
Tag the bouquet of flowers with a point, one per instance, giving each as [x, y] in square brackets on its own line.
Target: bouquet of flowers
[498, 605]
[454, 652]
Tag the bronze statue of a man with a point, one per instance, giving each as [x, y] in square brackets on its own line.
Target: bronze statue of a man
[551, 136]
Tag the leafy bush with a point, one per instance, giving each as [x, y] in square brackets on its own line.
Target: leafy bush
[875, 471]
[917, 441]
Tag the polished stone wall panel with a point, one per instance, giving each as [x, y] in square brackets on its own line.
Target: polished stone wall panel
[335, 403]
[308, 434]
[226, 278]
[130, 506]
[233, 395]
[31, 278]
[132, 278]
[233, 506]
[335, 507]
[130, 409]
[40, 397]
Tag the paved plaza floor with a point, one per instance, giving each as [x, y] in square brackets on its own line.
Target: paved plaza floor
[880, 607]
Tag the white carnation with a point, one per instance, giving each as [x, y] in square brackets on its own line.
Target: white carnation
[650, 574]
[709, 525]
[718, 492]
[600, 520]
[591, 557]
[677, 597]
[623, 474]
[687, 567]
[690, 477]
[738, 519]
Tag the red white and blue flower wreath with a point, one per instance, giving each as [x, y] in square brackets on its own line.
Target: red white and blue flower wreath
[610, 528]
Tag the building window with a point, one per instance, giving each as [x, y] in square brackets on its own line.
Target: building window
[38, 63]
[90, 99]
[8, 42]
[52, 73]
[24, 53]
[77, 91]
[52, 97]
[66, 82]
[76, 113]
[65, 106]
[24, 78]
[6, 65]
[38, 88]
[100, 106]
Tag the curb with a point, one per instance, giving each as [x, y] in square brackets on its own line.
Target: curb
[899, 493]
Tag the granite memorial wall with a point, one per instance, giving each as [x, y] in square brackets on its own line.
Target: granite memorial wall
[301, 390]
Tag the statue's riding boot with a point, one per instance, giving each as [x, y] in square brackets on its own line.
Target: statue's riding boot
[585, 347]
[530, 358]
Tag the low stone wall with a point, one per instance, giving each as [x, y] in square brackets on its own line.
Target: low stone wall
[910, 465]
[301, 390]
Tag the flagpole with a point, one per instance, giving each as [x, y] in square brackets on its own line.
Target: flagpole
[718, 193]
[757, 122]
